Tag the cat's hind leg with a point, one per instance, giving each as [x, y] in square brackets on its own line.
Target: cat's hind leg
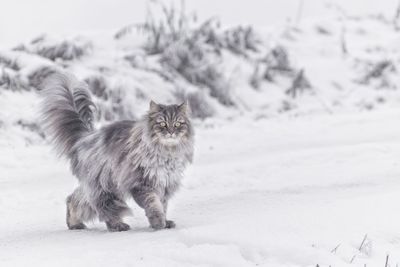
[78, 210]
[111, 209]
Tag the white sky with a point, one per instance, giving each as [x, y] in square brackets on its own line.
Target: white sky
[21, 20]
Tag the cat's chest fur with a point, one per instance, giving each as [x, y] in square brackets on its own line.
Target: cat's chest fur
[163, 168]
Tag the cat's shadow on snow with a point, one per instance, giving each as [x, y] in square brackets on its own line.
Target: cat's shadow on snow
[99, 229]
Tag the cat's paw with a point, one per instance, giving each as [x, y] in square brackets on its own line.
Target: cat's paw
[117, 227]
[157, 222]
[170, 224]
[78, 226]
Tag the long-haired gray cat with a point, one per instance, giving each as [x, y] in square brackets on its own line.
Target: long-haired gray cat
[144, 159]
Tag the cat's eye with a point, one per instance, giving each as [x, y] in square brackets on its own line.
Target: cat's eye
[163, 124]
[177, 124]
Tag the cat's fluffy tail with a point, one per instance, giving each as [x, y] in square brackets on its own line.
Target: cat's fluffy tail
[67, 111]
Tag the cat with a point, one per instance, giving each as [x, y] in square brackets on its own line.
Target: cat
[143, 159]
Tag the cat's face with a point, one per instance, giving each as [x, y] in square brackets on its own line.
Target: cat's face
[169, 124]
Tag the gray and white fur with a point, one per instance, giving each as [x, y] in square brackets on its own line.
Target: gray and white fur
[143, 159]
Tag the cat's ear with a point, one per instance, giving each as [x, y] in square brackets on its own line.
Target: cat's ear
[154, 107]
[184, 107]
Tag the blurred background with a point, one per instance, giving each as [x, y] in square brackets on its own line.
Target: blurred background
[225, 57]
[73, 17]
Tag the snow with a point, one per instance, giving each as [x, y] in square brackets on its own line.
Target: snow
[276, 192]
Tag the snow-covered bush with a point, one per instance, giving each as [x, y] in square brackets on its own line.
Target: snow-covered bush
[58, 50]
[379, 74]
[299, 84]
[39, 75]
[198, 103]
[240, 40]
[193, 52]
[115, 107]
[197, 64]
[109, 101]
[277, 62]
[11, 80]
[172, 26]
[98, 86]
[9, 76]
[255, 78]
[7, 62]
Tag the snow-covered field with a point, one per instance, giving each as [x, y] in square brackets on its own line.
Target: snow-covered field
[276, 192]
[297, 158]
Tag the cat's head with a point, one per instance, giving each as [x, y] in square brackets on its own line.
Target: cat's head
[169, 125]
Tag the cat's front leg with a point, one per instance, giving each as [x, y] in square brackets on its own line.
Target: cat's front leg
[151, 202]
[155, 211]
[169, 223]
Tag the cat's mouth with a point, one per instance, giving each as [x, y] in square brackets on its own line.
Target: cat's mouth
[169, 141]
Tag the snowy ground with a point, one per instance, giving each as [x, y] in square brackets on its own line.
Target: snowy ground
[276, 192]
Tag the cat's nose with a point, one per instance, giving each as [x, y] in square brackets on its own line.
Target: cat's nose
[170, 131]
